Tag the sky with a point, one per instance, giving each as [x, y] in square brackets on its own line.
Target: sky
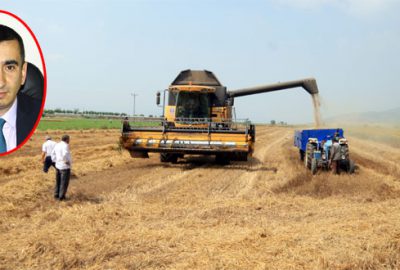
[98, 52]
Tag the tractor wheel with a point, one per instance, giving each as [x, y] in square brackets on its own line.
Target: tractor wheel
[351, 167]
[309, 155]
[313, 166]
[306, 159]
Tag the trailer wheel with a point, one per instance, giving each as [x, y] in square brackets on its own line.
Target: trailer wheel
[313, 166]
[301, 155]
[351, 167]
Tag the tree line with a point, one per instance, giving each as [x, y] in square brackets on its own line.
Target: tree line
[78, 112]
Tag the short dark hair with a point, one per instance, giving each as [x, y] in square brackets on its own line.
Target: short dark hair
[65, 138]
[7, 33]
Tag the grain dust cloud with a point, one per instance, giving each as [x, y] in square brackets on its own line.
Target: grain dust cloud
[317, 113]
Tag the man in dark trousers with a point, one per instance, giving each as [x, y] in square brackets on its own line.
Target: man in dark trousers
[62, 157]
[18, 111]
[47, 149]
[125, 125]
[335, 156]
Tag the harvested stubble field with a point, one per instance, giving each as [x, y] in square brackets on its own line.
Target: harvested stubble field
[267, 213]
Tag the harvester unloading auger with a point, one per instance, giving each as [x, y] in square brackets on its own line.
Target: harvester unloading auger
[198, 120]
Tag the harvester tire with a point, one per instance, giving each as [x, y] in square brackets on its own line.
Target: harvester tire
[164, 157]
[222, 159]
[238, 156]
[174, 158]
[168, 157]
[313, 166]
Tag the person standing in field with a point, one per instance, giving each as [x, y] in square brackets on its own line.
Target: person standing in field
[125, 125]
[327, 146]
[335, 156]
[47, 149]
[62, 158]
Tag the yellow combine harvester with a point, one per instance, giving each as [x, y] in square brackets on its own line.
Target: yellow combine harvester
[198, 119]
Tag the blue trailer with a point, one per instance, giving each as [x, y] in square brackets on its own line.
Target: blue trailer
[314, 148]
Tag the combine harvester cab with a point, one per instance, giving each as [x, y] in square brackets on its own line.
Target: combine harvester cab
[198, 119]
[314, 148]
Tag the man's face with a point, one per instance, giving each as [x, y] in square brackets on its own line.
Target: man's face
[12, 73]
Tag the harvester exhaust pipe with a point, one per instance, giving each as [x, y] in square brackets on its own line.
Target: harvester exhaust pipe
[310, 85]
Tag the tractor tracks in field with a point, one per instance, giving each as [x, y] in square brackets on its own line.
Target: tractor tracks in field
[377, 157]
[151, 180]
[372, 181]
[200, 176]
[384, 167]
[270, 143]
[274, 168]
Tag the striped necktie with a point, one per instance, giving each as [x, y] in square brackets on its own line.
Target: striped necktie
[3, 145]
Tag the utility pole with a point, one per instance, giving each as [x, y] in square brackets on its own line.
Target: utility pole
[134, 101]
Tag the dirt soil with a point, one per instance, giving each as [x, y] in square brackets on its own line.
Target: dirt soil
[267, 213]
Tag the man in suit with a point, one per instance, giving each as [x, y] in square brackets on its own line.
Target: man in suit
[18, 111]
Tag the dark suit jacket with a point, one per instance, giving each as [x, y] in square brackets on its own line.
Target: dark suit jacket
[27, 113]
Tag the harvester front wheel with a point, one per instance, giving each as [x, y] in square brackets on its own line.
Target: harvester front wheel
[222, 159]
[238, 156]
[168, 157]
[164, 157]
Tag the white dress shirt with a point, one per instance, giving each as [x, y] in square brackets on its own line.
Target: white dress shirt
[48, 147]
[10, 126]
[61, 156]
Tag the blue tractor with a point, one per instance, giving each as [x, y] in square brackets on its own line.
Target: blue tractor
[314, 147]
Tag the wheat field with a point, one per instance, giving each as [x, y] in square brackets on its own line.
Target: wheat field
[267, 213]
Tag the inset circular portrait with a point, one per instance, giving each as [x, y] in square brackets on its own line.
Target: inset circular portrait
[22, 82]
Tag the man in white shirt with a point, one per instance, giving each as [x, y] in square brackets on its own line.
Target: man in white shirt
[335, 157]
[47, 149]
[62, 157]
